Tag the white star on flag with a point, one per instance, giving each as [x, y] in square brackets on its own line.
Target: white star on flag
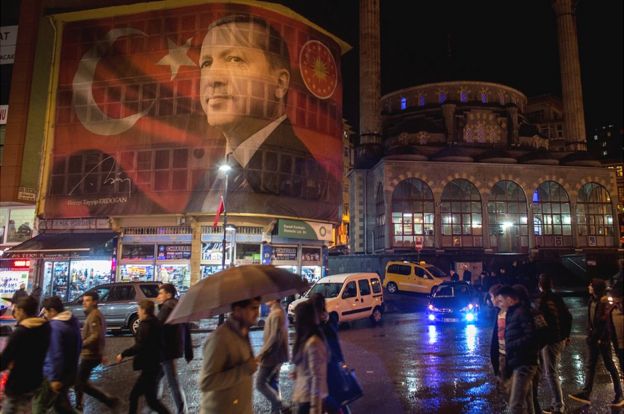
[177, 57]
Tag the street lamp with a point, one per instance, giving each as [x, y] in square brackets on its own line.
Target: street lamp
[224, 168]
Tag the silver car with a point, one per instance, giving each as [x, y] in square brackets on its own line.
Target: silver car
[118, 304]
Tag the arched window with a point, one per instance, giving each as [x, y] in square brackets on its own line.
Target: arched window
[507, 213]
[412, 213]
[594, 215]
[552, 222]
[461, 215]
[380, 218]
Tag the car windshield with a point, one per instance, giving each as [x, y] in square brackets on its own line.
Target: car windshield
[329, 290]
[150, 291]
[444, 292]
[436, 271]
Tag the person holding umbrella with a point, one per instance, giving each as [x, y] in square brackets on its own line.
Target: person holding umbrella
[229, 364]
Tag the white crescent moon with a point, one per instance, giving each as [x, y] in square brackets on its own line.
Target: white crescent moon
[82, 97]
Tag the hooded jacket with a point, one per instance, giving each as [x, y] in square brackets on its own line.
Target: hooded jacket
[24, 355]
[148, 346]
[521, 346]
[61, 362]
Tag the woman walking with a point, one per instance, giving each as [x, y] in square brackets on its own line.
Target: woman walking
[310, 357]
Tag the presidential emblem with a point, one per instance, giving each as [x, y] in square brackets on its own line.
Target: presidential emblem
[318, 69]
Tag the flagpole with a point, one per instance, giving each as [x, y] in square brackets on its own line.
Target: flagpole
[225, 168]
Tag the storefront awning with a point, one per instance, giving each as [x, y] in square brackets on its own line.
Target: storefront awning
[64, 246]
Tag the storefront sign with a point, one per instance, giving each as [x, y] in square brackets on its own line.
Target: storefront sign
[4, 114]
[305, 230]
[174, 251]
[284, 254]
[10, 281]
[26, 194]
[137, 251]
[311, 255]
[8, 42]
[75, 224]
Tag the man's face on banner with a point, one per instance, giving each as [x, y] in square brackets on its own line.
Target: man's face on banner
[239, 89]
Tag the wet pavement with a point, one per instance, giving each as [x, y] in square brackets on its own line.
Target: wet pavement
[406, 365]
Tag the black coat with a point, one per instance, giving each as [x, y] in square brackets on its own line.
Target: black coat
[148, 346]
[521, 345]
[597, 328]
[25, 352]
[557, 316]
[177, 337]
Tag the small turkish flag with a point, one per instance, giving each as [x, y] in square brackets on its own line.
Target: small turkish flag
[220, 210]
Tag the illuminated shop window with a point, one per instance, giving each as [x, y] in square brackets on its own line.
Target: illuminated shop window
[507, 213]
[461, 215]
[594, 213]
[412, 213]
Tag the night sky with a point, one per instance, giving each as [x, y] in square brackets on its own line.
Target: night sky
[510, 42]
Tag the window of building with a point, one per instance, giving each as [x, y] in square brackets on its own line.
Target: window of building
[441, 97]
[20, 225]
[552, 223]
[380, 218]
[507, 213]
[412, 213]
[463, 96]
[461, 215]
[421, 100]
[403, 103]
[484, 98]
[594, 215]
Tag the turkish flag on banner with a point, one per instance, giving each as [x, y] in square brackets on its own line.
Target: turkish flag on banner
[220, 211]
[130, 133]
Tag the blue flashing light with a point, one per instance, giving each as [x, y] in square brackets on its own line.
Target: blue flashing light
[431, 317]
[470, 317]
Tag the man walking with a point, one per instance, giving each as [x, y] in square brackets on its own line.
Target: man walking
[61, 362]
[93, 342]
[24, 354]
[272, 355]
[514, 350]
[598, 343]
[229, 363]
[467, 276]
[559, 321]
[177, 343]
[147, 352]
[19, 293]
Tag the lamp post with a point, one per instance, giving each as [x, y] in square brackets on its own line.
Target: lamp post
[224, 168]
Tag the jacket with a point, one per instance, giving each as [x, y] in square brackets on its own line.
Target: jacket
[275, 345]
[597, 328]
[557, 316]
[311, 375]
[616, 325]
[148, 346]
[225, 380]
[521, 346]
[93, 335]
[24, 354]
[61, 362]
[177, 337]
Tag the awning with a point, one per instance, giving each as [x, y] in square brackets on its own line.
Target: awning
[64, 246]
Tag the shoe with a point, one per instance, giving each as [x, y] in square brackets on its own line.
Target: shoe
[581, 397]
[551, 410]
[617, 402]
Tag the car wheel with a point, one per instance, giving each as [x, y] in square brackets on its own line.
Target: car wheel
[334, 319]
[376, 316]
[133, 324]
[392, 287]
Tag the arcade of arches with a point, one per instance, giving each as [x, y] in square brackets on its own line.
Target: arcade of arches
[504, 219]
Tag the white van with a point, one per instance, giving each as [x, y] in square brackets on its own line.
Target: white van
[348, 297]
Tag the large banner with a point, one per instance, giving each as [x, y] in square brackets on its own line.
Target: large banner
[149, 105]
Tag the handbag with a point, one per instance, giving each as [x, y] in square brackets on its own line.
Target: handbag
[347, 387]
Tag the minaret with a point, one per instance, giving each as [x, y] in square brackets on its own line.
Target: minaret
[573, 113]
[370, 148]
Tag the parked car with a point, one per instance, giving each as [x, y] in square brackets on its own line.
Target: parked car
[348, 297]
[118, 303]
[421, 277]
[454, 302]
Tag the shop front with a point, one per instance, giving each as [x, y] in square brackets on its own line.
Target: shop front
[165, 262]
[13, 273]
[242, 244]
[67, 264]
[299, 247]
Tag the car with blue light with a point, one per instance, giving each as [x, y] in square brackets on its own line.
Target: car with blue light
[453, 302]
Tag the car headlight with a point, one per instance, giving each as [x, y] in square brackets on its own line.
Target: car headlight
[432, 308]
[470, 317]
